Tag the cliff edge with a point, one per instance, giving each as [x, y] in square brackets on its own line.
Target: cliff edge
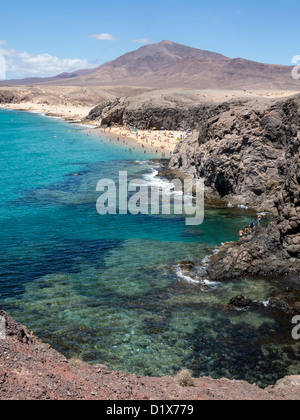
[248, 153]
[32, 370]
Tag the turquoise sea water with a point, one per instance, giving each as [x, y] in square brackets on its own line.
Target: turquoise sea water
[107, 289]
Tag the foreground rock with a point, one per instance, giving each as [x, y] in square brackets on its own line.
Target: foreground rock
[32, 370]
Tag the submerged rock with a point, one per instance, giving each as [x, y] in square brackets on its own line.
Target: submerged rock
[240, 302]
[288, 302]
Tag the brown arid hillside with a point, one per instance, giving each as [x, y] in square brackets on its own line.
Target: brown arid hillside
[171, 65]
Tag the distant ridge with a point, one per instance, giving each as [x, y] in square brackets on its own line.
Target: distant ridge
[171, 65]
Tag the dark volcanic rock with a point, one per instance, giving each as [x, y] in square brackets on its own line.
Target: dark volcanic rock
[288, 301]
[248, 153]
[172, 113]
[272, 251]
[240, 302]
[243, 150]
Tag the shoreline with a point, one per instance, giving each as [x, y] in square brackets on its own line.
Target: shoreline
[47, 375]
[163, 142]
[113, 131]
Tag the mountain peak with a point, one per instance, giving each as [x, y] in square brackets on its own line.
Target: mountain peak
[168, 64]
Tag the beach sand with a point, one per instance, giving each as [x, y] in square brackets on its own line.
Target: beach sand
[67, 112]
[163, 141]
[55, 102]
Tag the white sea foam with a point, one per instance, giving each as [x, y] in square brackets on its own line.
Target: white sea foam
[53, 117]
[188, 279]
[84, 125]
[141, 162]
[239, 206]
[158, 182]
[266, 303]
[200, 277]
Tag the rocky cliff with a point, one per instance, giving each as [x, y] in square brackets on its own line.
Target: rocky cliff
[171, 110]
[243, 150]
[248, 153]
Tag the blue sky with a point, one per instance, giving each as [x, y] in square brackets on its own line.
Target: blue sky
[46, 38]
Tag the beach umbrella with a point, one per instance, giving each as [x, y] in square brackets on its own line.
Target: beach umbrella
[135, 130]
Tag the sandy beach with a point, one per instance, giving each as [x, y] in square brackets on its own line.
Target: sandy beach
[67, 112]
[74, 104]
[162, 141]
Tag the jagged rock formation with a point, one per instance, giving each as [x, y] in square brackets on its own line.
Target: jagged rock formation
[173, 111]
[243, 150]
[250, 153]
[247, 151]
[273, 251]
[7, 97]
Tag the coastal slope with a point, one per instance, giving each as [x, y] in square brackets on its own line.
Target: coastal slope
[32, 370]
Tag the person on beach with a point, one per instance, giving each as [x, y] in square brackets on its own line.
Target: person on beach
[247, 231]
[241, 234]
[251, 226]
[259, 218]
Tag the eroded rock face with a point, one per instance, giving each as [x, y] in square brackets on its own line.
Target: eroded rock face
[6, 97]
[272, 251]
[248, 153]
[243, 150]
[14, 329]
[171, 113]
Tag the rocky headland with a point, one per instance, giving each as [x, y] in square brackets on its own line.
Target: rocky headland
[248, 154]
[168, 109]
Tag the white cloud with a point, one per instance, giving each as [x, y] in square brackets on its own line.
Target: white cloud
[23, 64]
[142, 41]
[103, 37]
[2, 68]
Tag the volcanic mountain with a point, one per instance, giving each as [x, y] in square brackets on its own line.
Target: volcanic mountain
[171, 65]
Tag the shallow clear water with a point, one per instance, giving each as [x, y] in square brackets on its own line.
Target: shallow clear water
[107, 289]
